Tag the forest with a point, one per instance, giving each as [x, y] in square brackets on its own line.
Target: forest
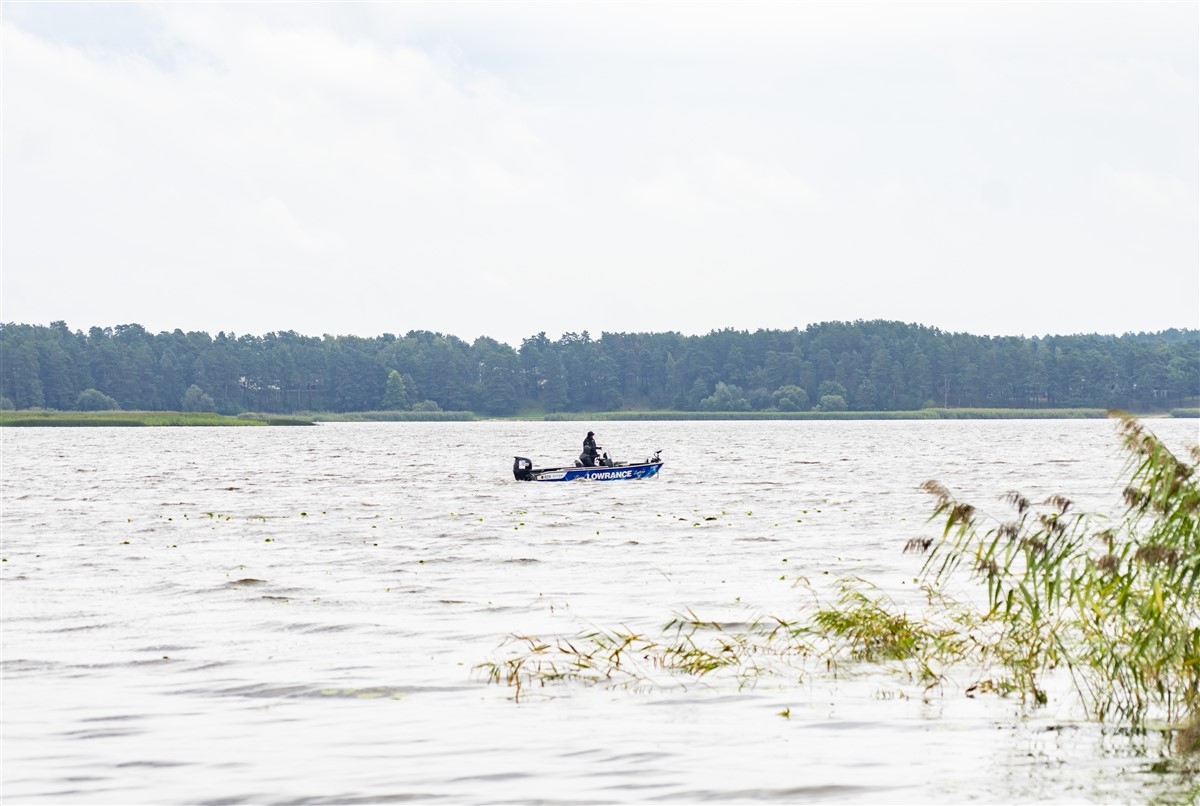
[832, 366]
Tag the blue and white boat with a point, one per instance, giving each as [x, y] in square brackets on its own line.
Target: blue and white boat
[606, 470]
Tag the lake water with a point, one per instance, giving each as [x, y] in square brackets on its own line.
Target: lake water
[295, 615]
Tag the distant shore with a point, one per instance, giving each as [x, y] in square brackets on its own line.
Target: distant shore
[79, 419]
[112, 419]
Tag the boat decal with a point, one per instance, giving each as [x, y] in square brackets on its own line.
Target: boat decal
[612, 474]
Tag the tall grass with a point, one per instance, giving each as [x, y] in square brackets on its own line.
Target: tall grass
[921, 414]
[108, 419]
[1116, 604]
[393, 416]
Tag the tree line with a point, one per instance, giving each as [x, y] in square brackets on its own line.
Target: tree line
[858, 366]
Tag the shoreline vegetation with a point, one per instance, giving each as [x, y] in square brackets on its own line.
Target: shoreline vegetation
[865, 367]
[49, 418]
[119, 419]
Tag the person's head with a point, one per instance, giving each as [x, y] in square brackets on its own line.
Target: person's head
[591, 433]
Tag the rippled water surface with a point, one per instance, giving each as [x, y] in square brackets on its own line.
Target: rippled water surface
[294, 615]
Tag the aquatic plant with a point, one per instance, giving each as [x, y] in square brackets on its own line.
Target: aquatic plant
[110, 419]
[931, 413]
[1117, 607]
[689, 649]
[867, 627]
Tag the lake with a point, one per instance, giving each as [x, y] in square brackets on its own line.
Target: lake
[296, 615]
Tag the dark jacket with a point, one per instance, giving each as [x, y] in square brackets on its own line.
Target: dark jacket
[588, 457]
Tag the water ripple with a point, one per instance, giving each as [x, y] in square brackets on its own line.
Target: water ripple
[298, 616]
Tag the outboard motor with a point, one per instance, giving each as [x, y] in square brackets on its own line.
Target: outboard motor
[522, 469]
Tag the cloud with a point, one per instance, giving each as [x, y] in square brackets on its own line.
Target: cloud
[506, 168]
[1158, 195]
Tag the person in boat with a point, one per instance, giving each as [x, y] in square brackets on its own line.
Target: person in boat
[590, 450]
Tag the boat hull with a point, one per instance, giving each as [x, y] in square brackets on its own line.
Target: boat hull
[620, 473]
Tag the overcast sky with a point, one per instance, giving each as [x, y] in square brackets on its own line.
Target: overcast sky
[500, 169]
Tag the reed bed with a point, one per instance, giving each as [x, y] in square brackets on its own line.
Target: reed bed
[124, 419]
[392, 416]
[921, 414]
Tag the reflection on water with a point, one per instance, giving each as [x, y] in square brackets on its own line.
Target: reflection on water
[294, 615]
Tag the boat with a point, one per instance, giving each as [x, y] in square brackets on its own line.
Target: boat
[605, 470]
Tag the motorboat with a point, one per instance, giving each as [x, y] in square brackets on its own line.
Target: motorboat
[605, 470]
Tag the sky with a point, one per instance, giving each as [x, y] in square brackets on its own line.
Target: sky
[502, 169]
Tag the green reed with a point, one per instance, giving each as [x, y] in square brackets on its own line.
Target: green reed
[919, 414]
[1115, 604]
[115, 419]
